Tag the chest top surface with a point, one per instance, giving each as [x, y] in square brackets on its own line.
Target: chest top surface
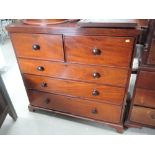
[72, 28]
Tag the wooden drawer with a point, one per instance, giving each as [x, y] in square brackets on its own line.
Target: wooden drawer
[146, 80]
[75, 106]
[38, 46]
[151, 58]
[114, 51]
[79, 89]
[145, 97]
[97, 74]
[143, 115]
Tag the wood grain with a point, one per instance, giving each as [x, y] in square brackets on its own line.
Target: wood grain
[115, 51]
[58, 60]
[51, 47]
[143, 115]
[144, 97]
[73, 29]
[76, 106]
[146, 80]
[114, 95]
[151, 57]
[142, 110]
[108, 75]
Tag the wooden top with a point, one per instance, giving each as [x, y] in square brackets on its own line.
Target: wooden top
[115, 23]
[72, 28]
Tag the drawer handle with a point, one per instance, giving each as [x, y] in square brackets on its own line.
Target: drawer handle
[95, 93]
[36, 47]
[96, 75]
[94, 111]
[43, 84]
[96, 51]
[153, 116]
[40, 68]
[47, 101]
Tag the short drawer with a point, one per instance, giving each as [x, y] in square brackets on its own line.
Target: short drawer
[75, 106]
[98, 92]
[143, 115]
[145, 97]
[113, 51]
[96, 74]
[146, 80]
[38, 46]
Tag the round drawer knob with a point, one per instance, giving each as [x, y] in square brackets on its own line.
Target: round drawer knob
[43, 84]
[36, 47]
[95, 93]
[40, 68]
[153, 116]
[47, 101]
[96, 75]
[96, 51]
[94, 111]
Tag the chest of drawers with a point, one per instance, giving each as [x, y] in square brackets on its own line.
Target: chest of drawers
[80, 72]
[142, 111]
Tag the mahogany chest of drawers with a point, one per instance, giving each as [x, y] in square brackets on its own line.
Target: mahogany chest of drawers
[80, 72]
[142, 111]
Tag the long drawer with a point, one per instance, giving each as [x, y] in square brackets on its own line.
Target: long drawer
[146, 80]
[38, 46]
[98, 92]
[75, 106]
[143, 115]
[102, 50]
[97, 74]
[144, 97]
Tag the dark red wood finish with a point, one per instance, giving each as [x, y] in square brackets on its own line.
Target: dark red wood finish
[114, 95]
[75, 106]
[142, 111]
[112, 51]
[145, 97]
[86, 73]
[38, 46]
[145, 116]
[82, 72]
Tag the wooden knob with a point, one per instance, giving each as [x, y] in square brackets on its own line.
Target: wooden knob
[95, 93]
[96, 51]
[43, 84]
[40, 68]
[96, 75]
[94, 111]
[47, 101]
[153, 116]
[36, 47]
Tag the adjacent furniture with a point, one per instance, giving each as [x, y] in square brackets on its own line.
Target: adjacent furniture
[142, 110]
[6, 106]
[80, 72]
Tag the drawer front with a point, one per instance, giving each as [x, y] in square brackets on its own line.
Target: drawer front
[114, 51]
[79, 107]
[151, 58]
[146, 80]
[104, 75]
[143, 115]
[145, 97]
[38, 46]
[79, 89]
